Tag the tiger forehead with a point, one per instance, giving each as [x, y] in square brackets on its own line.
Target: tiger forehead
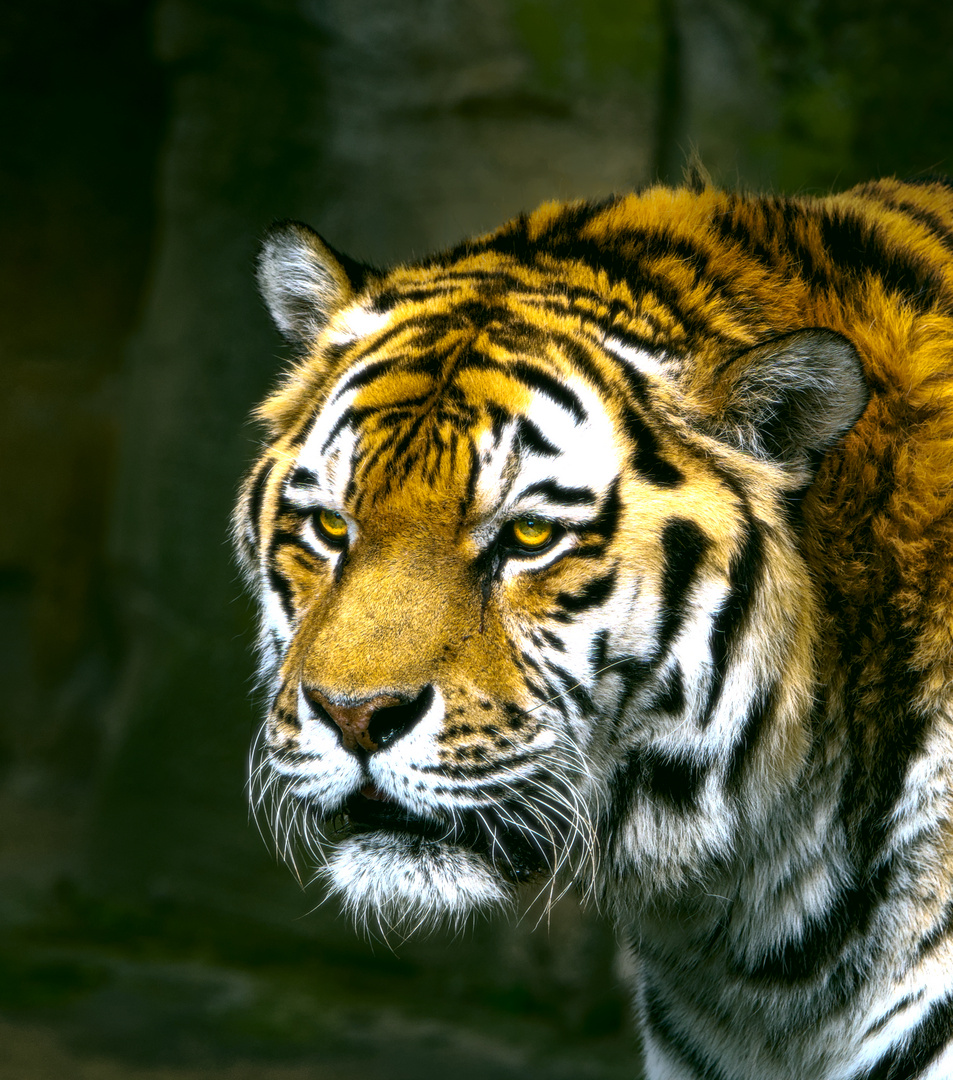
[481, 433]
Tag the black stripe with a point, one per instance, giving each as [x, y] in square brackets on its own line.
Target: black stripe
[739, 226]
[256, 497]
[874, 781]
[586, 551]
[676, 1043]
[279, 709]
[646, 457]
[918, 1049]
[555, 492]
[635, 380]
[547, 694]
[668, 778]
[330, 354]
[683, 547]
[904, 1003]
[849, 249]
[622, 254]
[283, 538]
[302, 477]
[474, 771]
[640, 259]
[367, 462]
[530, 376]
[425, 329]
[565, 228]
[633, 671]
[861, 247]
[810, 260]
[396, 445]
[499, 278]
[576, 352]
[929, 220]
[647, 340]
[473, 476]
[367, 374]
[630, 669]
[606, 320]
[387, 299]
[819, 952]
[540, 380]
[744, 573]
[759, 717]
[490, 309]
[670, 696]
[283, 589]
[571, 688]
[941, 931]
[342, 422]
[591, 595]
[391, 414]
[529, 437]
[499, 418]
[287, 509]
[598, 650]
[606, 522]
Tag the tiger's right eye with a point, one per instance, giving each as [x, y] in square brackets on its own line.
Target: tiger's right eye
[331, 526]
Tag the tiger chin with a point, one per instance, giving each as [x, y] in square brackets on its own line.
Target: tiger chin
[612, 548]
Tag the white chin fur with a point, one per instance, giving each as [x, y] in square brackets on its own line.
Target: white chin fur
[408, 884]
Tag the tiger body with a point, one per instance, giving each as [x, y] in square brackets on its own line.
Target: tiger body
[614, 546]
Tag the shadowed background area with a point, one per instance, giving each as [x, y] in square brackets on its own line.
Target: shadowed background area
[145, 929]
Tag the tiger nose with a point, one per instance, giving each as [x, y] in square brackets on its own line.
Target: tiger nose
[370, 723]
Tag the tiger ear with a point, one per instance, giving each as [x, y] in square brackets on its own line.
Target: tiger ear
[791, 399]
[304, 281]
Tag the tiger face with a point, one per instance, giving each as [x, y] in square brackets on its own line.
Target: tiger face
[527, 558]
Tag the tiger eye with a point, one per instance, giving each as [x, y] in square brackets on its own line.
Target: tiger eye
[532, 533]
[331, 525]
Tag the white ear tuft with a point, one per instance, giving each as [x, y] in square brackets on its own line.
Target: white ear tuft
[303, 280]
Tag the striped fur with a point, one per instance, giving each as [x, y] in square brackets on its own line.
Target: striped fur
[613, 547]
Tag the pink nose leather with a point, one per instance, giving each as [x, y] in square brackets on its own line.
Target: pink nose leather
[353, 720]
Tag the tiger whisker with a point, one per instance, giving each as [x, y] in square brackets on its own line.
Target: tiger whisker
[575, 686]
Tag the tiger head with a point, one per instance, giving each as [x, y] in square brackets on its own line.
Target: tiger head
[526, 548]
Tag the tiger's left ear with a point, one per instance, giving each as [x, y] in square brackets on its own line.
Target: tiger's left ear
[791, 399]
[304, 281]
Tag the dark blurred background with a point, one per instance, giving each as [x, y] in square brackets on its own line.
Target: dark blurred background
[146, 931]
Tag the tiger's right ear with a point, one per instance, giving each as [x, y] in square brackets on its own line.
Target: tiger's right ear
[304, 281]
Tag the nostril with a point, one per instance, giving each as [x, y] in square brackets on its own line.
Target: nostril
[369, 723]
[388, 724]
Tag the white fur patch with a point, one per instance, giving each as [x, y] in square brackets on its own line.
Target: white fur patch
[407, 883]
[357, 322]
[636, 358]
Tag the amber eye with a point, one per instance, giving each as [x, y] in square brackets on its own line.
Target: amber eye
[532, 533]
[330, 525]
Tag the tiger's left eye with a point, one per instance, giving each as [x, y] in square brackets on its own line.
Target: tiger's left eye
[331, 526]
[532, 533]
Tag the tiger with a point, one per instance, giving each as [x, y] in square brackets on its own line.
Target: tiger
[612, 549]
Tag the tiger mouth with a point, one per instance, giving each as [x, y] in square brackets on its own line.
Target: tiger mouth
[371, 813]
[514, 853]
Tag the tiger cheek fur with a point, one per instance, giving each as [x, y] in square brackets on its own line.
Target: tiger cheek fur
[613, 547]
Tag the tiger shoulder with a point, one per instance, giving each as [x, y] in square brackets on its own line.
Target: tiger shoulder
[614, 547]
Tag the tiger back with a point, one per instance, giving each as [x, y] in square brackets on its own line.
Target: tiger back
[614, 547]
